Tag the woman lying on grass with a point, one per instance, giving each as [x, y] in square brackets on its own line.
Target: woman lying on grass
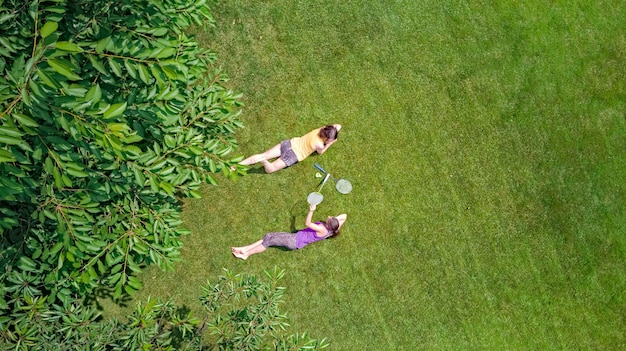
[291, 151]
[294, 241]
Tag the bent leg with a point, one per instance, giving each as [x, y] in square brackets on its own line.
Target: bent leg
[271, 167]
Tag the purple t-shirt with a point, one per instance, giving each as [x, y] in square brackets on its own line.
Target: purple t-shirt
[307, 236]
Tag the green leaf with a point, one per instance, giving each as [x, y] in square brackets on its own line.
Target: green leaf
[167, 187]
[170, 141]
[7, 16]
[194, 194]
[37, 89]
[60, 261]
[114, 141]
[66, 180]
[48, 165]
[10, 132]
[56, 248]
[144, 75]
[115, 110]
[68, 46]
[58, 182]
[115, 67]
[132, 71]
[115, 277]
[37, 153]
[165, 52]
[48, 28]
[62, 67]
[9, 140]
[154, 185]
[97, 64]
[27, 264]
[101, 267]
[132, 150]
[134, 282]
[85, 277]
[75, 90]
[102, 44]
[171, 95]
[47, 79]
[158, 74]
[132, 139]
[70, 256]
[129, 290]
[140, 179]
[76, 173]
[6, 156]
[24, 120]
[10, 47]
[94, 94]
[118, 291]
[169, 72]
[25, 96]
[118, 127]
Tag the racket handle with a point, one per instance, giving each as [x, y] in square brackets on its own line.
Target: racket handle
[320, 168]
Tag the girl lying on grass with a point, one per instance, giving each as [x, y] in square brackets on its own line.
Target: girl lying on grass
[291, 151]
[294, 241]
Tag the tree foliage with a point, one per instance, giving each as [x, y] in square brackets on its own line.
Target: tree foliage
[109, 115]
[240, 313]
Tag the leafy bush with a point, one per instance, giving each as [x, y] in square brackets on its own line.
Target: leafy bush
[240, 313]
[109, 114]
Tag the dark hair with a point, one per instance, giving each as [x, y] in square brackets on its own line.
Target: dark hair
[328, 133]
[333, 226]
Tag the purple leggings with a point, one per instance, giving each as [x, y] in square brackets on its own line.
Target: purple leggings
[283, 239]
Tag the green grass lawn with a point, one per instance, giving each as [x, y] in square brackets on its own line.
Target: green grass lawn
[485, 142]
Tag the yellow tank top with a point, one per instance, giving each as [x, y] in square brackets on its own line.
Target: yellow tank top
[305, 145]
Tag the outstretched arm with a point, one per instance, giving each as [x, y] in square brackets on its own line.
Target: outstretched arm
[309, 223]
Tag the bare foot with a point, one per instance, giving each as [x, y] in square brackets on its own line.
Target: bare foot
[240, 255]
[252, 160]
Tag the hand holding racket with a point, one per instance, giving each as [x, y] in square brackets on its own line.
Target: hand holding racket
[316, 197]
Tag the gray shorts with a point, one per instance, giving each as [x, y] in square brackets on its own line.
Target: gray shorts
[283, 239]
[287, 154]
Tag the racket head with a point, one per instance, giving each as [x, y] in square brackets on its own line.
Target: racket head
[343, 186]
[315, 198]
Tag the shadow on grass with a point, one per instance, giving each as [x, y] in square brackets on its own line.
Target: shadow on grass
[257, 170]
[296, 210]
